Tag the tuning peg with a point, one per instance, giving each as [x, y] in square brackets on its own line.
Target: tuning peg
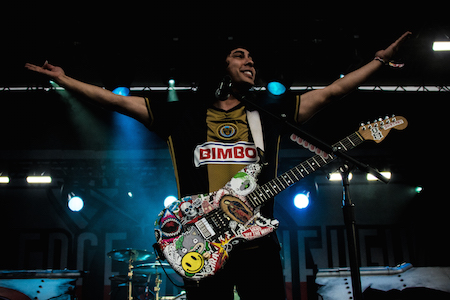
[380, 119]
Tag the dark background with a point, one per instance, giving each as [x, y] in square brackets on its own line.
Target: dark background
[103, 155]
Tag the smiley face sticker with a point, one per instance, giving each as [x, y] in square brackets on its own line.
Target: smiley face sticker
[192, 263]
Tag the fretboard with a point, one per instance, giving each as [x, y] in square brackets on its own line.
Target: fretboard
[285, 180]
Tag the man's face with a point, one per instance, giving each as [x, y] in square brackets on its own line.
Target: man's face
[241, 67]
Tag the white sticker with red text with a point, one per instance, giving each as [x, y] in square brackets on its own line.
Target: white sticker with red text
[225, 153]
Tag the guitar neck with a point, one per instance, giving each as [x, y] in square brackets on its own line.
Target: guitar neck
[285, 180]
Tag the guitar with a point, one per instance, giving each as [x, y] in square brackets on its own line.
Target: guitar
[196, 233]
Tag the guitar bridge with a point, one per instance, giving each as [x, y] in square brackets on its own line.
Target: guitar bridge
[205, 228]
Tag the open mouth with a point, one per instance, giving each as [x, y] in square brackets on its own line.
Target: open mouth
[248, 73]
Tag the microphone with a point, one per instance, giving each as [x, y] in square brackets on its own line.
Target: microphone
[224, 89]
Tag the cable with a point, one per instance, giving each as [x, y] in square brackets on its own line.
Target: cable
[158, 258]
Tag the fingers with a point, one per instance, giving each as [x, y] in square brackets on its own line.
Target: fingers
[32, 67]
[43, 70]
[402, 38]
[405, 35]
[390, 51]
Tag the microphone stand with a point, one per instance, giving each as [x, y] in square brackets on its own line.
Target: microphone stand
[348, 209]
[347, 205]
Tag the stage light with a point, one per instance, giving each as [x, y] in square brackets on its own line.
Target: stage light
[418, 189]
[172, 96]
[130, 194]
[370, 177]
[169, 200]
[75, 203]
[337, 176]
[441, 46]
[4, 179]
[39, 179]
[122, 91]
[276, 88]
[301, 200]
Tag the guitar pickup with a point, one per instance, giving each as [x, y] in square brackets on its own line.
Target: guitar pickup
[205, 228]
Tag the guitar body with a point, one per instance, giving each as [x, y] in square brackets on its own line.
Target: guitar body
[197, 233]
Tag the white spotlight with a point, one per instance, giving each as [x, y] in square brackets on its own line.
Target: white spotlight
[169, 200]
[301, 200]
[75, 203]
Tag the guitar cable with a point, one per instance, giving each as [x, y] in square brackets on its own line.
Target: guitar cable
[160, 257]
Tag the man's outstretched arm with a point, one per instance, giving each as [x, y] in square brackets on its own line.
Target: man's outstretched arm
[313, 101]
[134, 107]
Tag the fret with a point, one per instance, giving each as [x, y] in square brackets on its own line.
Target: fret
[309, 167]
[322, 158]
[311, 164]
[274, 186]
[290, 178]
[355, 139]
[262, 196]
[317, 163]
[303, 169]
[267, 189]
[348, 138]
[342, 145]
[329, 159]
[254, 199]
[280, 183]
[258, 199]
[286, 182]
[291, 181]
[298, 175]
[293, 173]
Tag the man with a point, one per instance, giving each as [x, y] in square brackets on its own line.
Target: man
[195, 130]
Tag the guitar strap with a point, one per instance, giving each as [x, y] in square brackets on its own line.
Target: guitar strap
[254, 122]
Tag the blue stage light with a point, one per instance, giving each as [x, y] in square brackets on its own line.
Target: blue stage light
[75, 203]
[276, 88]
[301, 200]
[122, 91]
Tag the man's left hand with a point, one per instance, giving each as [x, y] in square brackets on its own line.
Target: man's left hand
[390, 51]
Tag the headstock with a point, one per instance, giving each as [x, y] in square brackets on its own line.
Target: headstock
[379, 129]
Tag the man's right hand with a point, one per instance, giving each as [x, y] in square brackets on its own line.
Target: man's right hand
[132, 106]
[47, 69]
